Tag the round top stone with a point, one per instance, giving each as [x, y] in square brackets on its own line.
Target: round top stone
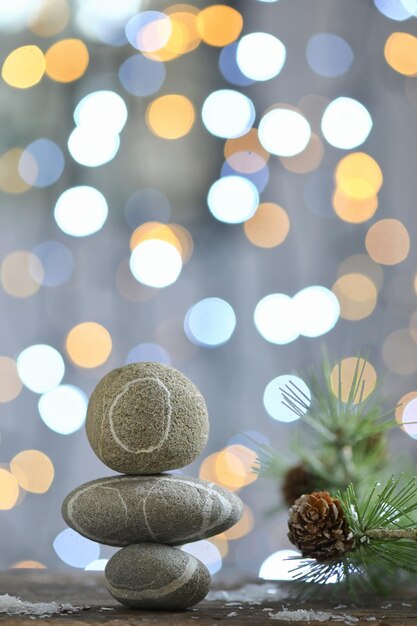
[146, 418]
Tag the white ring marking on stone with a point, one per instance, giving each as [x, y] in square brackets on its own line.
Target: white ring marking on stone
[71, 502]
[226, 508]
[168, 418]
[153, 594]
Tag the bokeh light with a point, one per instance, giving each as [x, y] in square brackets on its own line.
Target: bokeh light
[243, 527]
[98, 565]
[40, 367]
[21, 274]
[104, 20]
[233, 199]
[156, 263]
[346, 123]
[171, 116]
[269, 226]
[24, 67]
[103, 110]
[307, 160]
[219, 25]
[9, 490]
[148, 352]
[329, 55]
[357, 295]
[63, 409]
[245, 154]
[66, 60]
[141, 76]
[91, 147]
[260, 56]
[33, 470]
[401, 53]
[342, 376]
[274, 397]
[354, 210]
[388, 242]
[229, 68]
[394, 9]
[81, 211]
[358, 176]
[399, 352]
[10, 383]
[210, 322]
[49, 18]
[316, 309]
[41, 163]
[231, 467]
[406, 413]
[228, 113]
[280, 565]
[10, 179]
[284, 132]
[362, 264]
[57, 263]
[206, 552]
[28, 565]
[275, 318]
[74, 549]
[88, 344]
[149, 30]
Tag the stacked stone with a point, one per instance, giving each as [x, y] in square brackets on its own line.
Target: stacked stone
[145, 419]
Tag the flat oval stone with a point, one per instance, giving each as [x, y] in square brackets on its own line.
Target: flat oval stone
[146, 418]
[146, 576]
[169, 508]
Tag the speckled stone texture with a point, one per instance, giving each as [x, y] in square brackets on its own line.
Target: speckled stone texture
[169, 508]
[146, 418]
[147, 576]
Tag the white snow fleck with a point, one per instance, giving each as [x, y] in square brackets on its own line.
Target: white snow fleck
[234, 614]
[406, 604]
[308, 615]
[15, 606]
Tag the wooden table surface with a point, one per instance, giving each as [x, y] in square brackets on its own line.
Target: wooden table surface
[88, 589]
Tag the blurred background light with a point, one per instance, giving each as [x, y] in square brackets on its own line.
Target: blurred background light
[329, 55]
[273, 396]
[233, 199]
[10, 179]
[74, 549]
[103, 110]
[104, 20]
[40, 367]
[269, 226]
[357, 296]
[141, 76]
[91, 147]
[219, 25]
[10, 383]
[171, 116]
[344, 372]
[148, 352]
[388, 242]
[284, 132]
[63, 409]
[57, 263]
[49, 17]
[33, 470]
[260, 56]
[88, 345]
[210, 322]
[358, 176]
[401, 53]
[9, 490]
[149, 30]
[317, 310]
[41, 163]
[395, 9]
[66, 60]
[245, 154]
[24, 67]
[346, 123]
[21, 274]
[156, 263]
[276, 319]
[206, 552]
[280, 565]
[229, 67]
[228, 113]
[81, 211]
[98, 565]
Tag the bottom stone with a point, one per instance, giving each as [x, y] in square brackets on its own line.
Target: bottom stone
[154, 576]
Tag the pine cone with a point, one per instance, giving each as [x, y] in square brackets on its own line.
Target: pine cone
[297, 481]
[318, 527]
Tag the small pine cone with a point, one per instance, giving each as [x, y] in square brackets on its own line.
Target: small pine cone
[318, 526]
[297, 481]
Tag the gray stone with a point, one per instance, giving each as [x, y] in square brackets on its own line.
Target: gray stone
[147, 576]
[169, 508]
[146, 418]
